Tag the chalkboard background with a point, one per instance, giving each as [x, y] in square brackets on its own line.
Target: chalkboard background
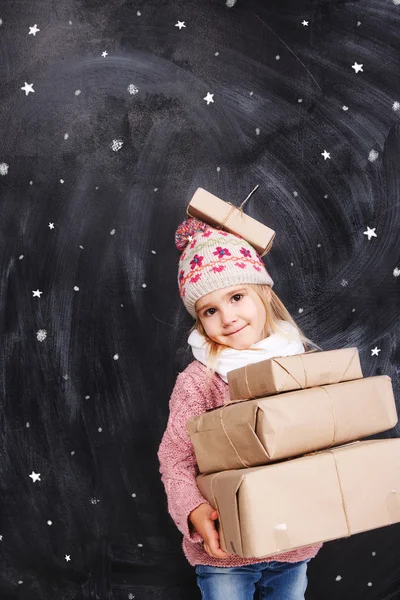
[99, 156]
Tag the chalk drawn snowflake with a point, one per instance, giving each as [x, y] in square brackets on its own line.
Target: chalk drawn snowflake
[116, 145]
[132, 89]
[373, 155]
[4, 168]
[41, 335]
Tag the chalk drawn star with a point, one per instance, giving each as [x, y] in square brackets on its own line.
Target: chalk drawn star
[357, 68]
[375, 351]
[305, 23]
[104, 54]
[180, 24]
[209, 98]
[370, 232]
[325, 154]
[35, 476]
[28, 87]
[33, 30]
[51, 225]
[36, 294]
[67, 557]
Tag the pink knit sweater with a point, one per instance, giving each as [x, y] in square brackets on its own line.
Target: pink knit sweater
[178, 466]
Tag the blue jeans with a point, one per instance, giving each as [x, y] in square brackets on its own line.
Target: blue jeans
[271, 580]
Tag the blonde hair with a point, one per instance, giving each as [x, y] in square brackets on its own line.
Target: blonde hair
[275, 311]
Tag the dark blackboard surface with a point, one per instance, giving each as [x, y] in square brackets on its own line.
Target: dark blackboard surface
[97, 165]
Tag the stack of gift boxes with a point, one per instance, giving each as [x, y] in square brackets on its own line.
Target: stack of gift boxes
[282, 462]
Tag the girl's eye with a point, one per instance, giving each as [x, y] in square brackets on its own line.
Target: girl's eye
[208, 313]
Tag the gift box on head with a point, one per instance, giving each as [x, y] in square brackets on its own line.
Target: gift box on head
[220, 214]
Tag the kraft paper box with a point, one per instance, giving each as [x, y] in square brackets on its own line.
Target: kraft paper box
[257, 432]
[329, 495]
[216, 212]
[281, 374]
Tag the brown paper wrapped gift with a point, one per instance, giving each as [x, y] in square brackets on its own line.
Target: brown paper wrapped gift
[332, 494]
[257, 432]
[282, 374]
[218, 213]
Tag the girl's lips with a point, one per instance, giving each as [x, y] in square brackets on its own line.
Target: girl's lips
[237, 331]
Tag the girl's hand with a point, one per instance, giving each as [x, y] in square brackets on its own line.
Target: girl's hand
[202, 519]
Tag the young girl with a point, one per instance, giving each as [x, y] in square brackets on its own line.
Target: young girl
[239, 319]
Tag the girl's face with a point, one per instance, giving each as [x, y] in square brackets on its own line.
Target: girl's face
[234, 316]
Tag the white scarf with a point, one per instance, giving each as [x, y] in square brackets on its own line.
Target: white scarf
[286, 343]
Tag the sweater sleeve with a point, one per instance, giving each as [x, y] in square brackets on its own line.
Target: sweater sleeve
[178, 466]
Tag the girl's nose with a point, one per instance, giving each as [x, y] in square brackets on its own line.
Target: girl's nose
[228, 317]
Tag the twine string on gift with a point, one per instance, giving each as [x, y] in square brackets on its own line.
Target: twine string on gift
[302, 385]
[332, 453]
[267, 247]
[248, 197]
[233, 208]
[215, 503]
[349, 364]
[346, 516]
[288, 373]
[251, 397]
[230, 212]
[229, 439]
[334, 422]
[212, 490]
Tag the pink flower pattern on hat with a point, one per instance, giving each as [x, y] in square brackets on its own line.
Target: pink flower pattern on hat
[218, 269]
[240, 265]
[195, 278]
[245, 252]
[220, 252]
[196, 261]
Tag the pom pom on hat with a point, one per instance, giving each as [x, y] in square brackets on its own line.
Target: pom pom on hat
[186, 231]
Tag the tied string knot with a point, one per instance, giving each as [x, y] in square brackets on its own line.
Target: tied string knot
[233, 208]
[230, 212]
[302, 385]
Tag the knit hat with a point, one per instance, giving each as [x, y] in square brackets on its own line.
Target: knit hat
[213, 259]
